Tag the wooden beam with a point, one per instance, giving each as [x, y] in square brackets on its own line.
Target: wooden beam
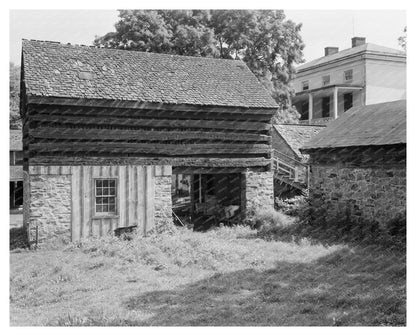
[174, 161]
[150, 148]
[134, 113]
[152, 123]
[271, 110]
[122, 134]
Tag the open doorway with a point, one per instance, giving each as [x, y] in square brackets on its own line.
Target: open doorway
[206, 200]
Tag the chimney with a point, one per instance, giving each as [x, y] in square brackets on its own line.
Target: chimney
[331, 50]
[357, 41]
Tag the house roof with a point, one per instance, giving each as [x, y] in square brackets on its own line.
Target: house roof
[297, 135]
[16, 140]
[378, 124]
[52, 69]
[367, 47]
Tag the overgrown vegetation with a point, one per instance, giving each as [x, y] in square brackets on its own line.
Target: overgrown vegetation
[227, 276]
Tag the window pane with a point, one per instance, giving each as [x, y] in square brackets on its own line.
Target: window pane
[19, 158]
[99, 183]
[111, 200]
[112, 192]
[112, 183]
[99, 191]
[112, 208]
[98, 208]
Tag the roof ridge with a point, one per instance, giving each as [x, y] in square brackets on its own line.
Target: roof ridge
[131, 50]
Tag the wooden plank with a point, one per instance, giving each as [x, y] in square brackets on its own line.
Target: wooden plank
[123, 134]
[131, 204]
[149, 113]
[122, 196]
[153, 123]
[87, 189]
[33, 102]
[75, 203]
[161, 149]
[141, 198]
[95, 227]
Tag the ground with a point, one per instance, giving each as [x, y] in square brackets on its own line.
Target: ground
[227, 276]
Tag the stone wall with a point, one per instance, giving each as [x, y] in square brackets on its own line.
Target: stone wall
[47, 206]
[369, 193]
[163, 203]
[257, 191]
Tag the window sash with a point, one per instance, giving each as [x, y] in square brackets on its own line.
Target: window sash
[105, 196]
[348, 75]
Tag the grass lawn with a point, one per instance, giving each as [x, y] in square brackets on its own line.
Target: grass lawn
[219, 278]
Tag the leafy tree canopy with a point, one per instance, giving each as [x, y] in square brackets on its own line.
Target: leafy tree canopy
[403, 39]
[269, 44]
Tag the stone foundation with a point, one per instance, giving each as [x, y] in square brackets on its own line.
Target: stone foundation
[257, 191]
[372, 193]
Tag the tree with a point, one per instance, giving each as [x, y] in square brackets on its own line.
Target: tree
[14, 118]
[263, 39]
[403, 39]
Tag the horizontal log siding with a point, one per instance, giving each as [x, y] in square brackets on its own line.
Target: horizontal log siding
[84, 132]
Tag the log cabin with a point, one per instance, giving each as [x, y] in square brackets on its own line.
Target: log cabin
[104, 131]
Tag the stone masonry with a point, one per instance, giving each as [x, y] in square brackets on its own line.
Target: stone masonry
[370, 193]
[257, 191]
[163, 202]
[47, 206]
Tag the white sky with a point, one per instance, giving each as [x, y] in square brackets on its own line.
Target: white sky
[321, 28]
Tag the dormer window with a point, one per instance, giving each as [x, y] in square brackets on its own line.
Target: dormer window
[326, 80]
[348, 75]
[305, 85]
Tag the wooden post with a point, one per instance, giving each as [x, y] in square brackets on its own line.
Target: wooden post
[310, 115]
[335, 103]
[296, 174]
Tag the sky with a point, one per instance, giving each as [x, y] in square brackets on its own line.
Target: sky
[320, 28]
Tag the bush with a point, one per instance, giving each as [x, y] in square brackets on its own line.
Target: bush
[268, 219]
[297, 206]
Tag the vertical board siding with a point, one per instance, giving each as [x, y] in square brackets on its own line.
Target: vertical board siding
[135, 197]
[76, 203]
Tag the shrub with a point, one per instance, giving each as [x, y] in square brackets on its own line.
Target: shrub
[297, 206]
[268, 219]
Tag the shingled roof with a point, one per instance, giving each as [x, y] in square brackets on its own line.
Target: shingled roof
[296, 135]
[367, 47]
[53, 69]
[378, 124]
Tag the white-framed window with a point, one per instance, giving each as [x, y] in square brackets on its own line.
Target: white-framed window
[105, 196]
[348, 75]
[305, 85]
[326, 80]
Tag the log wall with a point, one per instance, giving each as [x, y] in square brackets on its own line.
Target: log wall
[61, 134]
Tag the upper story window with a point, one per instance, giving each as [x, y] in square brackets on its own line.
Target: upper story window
[326, 80]
[305, 85]
[105, 196]
[348, 75]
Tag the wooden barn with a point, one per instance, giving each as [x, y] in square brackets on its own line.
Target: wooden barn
[358, 165]
[105, 130]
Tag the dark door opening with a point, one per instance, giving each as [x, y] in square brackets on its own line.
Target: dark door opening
[325, 107]
[347, 101]
[16, 194]
[214, 199]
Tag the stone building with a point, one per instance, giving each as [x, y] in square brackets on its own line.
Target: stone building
[105, 129]
[364, 74]
[358, 165]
